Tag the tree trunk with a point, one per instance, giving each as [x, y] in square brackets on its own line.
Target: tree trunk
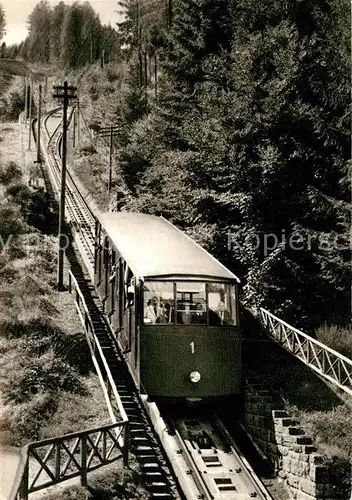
[145, 71]
[156, 72]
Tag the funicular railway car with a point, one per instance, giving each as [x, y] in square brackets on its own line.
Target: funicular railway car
[172, 307]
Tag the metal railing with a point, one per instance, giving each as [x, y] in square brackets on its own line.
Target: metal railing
[108, 385]
[328, 363]
[51, 461]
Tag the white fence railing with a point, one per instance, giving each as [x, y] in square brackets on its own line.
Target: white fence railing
[320, 358]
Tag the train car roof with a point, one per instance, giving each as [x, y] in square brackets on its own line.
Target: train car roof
[155, 248]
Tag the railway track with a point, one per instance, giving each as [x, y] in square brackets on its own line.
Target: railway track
[202, 454]
[220, 470]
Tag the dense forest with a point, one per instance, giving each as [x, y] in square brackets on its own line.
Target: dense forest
[69, 36]
[235, 119]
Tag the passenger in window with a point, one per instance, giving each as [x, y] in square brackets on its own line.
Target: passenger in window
[151, 312]
[199, 316]
[186, 315]
[130, 292]
[224, 315]
[164, 313]
[112, 274]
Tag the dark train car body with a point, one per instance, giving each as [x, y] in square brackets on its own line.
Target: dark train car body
[172, 307]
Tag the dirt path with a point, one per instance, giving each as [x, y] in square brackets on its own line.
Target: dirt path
[9, 463]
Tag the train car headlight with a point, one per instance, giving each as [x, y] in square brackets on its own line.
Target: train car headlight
[195, 377]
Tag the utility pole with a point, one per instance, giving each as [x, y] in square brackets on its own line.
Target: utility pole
[39, 118]
[78, 123]
[25, 101]
[45, 91]
[111, 132]
[30, 113]
[74, 128]
[65, 93]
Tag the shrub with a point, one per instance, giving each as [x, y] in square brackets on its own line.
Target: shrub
[22, 423]
[20, 194]
[10, 224]
[47, 373]
[10, 173]
[8, 274]
[337, 337]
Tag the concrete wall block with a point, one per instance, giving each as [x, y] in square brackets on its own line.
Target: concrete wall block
[286, 463]
[289, 440]
[309, 449]
[300, 495]
[295, 431]
[316, 459]
[283, 474]
[299, 468]
[284, 450]
[303, 440]
[299, 457]
[279, 414]
[307, 486]
[292, 454]
[284, 422]
[293, 480]
[280, 440]
[297, 448]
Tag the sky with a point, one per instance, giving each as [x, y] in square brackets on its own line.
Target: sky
[17, 12]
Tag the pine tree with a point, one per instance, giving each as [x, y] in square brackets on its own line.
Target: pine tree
[293, 148]
[39, 33]
[2, 22]
[57, 19]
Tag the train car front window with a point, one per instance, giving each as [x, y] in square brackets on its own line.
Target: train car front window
[190, 303]
[158, 302]
[222, 304]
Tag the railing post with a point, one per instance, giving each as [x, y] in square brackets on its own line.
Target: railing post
[84, 460]
[126, 443]
[108, 387]
[69, 282]
[24, 482]
[104, 445]
[57, 460]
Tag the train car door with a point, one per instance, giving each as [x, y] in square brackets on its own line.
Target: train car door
[103, 278]
[117, 290]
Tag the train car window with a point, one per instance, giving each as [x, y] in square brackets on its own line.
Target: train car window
[222, 304]
[190, 303]
[158, 302]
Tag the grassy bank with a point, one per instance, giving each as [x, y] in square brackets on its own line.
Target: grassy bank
[46, 367]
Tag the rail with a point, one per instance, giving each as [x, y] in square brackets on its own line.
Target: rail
[328, 363]
[51, 461]
[78, 213]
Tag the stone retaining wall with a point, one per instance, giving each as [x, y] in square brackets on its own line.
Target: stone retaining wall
[290, 451]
